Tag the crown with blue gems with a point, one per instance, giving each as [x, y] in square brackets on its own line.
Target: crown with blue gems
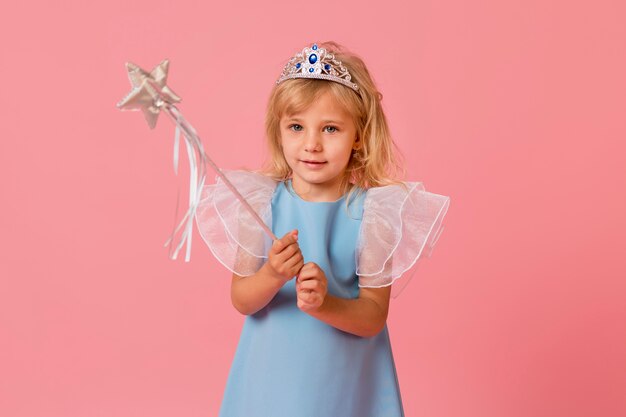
[315, 62]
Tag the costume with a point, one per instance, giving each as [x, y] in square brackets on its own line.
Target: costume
[288, 363]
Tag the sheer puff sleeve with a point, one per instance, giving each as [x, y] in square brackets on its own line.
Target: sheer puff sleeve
[397, 229]
[229, 230]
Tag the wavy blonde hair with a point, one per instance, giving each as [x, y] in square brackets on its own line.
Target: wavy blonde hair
[375, 163]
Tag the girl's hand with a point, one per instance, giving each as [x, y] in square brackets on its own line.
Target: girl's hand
[311, 287]
[285, 258]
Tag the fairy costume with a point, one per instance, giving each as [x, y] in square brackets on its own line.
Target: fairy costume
[288, 363]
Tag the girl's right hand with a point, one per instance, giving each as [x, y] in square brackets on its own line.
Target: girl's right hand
[285, 259]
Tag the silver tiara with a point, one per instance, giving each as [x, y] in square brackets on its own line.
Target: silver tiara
[317, 63]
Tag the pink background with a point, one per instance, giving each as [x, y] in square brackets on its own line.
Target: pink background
[514, 109]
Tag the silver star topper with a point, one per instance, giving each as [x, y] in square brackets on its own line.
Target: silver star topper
[150, 92]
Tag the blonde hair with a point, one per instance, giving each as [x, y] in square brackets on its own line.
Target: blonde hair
[375, 163]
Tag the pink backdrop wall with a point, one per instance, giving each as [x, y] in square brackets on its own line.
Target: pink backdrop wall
[514, 109]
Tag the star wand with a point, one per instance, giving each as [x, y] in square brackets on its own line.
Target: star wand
[151, 95]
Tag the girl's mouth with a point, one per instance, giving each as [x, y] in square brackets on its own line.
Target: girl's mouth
[313, 164]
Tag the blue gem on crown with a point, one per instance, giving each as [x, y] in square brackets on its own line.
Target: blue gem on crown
[315, 62]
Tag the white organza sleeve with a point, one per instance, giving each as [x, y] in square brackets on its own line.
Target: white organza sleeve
[397, 229]
[227, 227]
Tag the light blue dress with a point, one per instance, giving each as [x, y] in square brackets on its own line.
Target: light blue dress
[289, 364]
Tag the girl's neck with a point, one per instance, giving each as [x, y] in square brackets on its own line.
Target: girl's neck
[309, 192]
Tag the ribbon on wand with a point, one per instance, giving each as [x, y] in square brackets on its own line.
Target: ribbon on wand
[151, 95]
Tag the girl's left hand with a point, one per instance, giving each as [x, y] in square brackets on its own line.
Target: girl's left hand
[311, 287]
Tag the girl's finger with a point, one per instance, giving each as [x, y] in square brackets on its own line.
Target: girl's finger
[311, 297]
[302, 275]
[293, 260]
[288, 251]
[284, 256]
[307, 266]
[310, 284]
[306, 296]
[308, 273]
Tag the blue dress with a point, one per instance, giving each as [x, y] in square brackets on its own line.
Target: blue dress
[290, 364]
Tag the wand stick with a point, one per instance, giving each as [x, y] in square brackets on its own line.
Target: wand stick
[151, 95]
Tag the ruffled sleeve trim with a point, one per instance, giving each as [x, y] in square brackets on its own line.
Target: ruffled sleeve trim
[232, 234]
[397, 229]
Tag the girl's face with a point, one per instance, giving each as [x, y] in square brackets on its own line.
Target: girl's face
[317, 144]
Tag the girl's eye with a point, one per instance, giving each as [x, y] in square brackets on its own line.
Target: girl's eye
[294, 125]
[298, 128]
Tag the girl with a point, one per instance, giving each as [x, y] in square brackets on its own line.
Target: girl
[315, 340]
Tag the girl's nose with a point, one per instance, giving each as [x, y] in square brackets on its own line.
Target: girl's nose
[312, 142]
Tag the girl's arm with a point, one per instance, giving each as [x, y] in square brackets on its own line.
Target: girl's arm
[252, 293]
[364, 316]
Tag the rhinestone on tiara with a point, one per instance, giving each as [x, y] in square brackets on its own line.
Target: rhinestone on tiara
[315, 62]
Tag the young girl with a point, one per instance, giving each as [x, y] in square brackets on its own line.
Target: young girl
[315, 340]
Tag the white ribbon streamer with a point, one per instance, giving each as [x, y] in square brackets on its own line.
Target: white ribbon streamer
[197, 177]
